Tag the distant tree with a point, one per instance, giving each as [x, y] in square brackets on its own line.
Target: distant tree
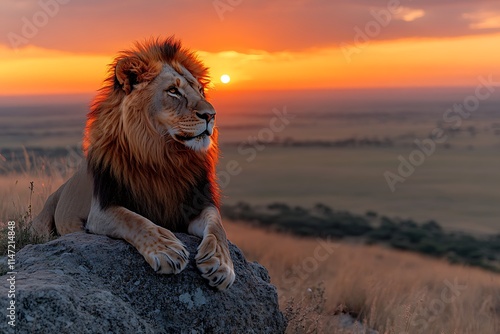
[281, 207]
[323, 209]
[432, 226]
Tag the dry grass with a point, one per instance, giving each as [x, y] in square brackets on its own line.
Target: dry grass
[16, 196]
[390, 291]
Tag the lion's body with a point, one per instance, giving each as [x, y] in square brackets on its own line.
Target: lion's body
[151, 150]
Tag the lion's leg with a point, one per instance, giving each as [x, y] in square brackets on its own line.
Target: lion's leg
[160, 247]
[213, 258]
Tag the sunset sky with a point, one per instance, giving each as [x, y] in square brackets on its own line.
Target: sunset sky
[63, 46]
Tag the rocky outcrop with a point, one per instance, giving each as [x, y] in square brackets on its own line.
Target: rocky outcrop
[84, 283]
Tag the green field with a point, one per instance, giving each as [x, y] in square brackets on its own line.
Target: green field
[458, 189]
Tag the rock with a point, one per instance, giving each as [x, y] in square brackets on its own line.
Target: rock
[346, 323]
[84, 283]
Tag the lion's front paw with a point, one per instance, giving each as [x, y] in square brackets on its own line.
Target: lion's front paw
[163, 251]
[214, 262]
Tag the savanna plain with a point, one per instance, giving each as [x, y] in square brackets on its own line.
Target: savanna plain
[313, 149]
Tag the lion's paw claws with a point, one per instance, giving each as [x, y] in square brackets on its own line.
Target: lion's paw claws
[214, 263]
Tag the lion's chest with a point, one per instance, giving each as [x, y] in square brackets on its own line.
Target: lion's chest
[167, 201]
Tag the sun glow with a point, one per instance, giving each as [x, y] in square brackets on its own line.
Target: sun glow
[225, 78]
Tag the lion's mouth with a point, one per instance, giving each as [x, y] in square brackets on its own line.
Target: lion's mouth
[186, 138]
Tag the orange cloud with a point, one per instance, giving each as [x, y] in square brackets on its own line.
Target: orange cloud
[409, 14]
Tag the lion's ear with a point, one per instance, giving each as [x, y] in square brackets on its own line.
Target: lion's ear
[131, 71]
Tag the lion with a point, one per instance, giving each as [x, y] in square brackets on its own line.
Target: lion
[151, 148]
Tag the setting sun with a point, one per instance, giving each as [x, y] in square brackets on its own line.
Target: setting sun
[225, 78]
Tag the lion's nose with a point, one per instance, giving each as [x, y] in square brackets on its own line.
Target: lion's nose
[207, 116]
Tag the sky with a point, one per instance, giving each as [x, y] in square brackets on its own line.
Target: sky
[64, 46]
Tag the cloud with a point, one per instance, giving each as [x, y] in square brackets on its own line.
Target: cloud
[483, 20]
[409, 14]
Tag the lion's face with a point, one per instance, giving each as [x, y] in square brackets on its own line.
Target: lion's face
[179, 109]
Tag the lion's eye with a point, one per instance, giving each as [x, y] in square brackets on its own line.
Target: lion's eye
[173, 91]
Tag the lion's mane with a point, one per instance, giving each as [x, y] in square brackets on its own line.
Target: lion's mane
[130, 163]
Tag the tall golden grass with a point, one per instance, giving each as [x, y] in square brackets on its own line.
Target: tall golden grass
[390, 291]
[16, 196]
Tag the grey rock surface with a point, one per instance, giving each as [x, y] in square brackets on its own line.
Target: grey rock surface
[84, 283]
